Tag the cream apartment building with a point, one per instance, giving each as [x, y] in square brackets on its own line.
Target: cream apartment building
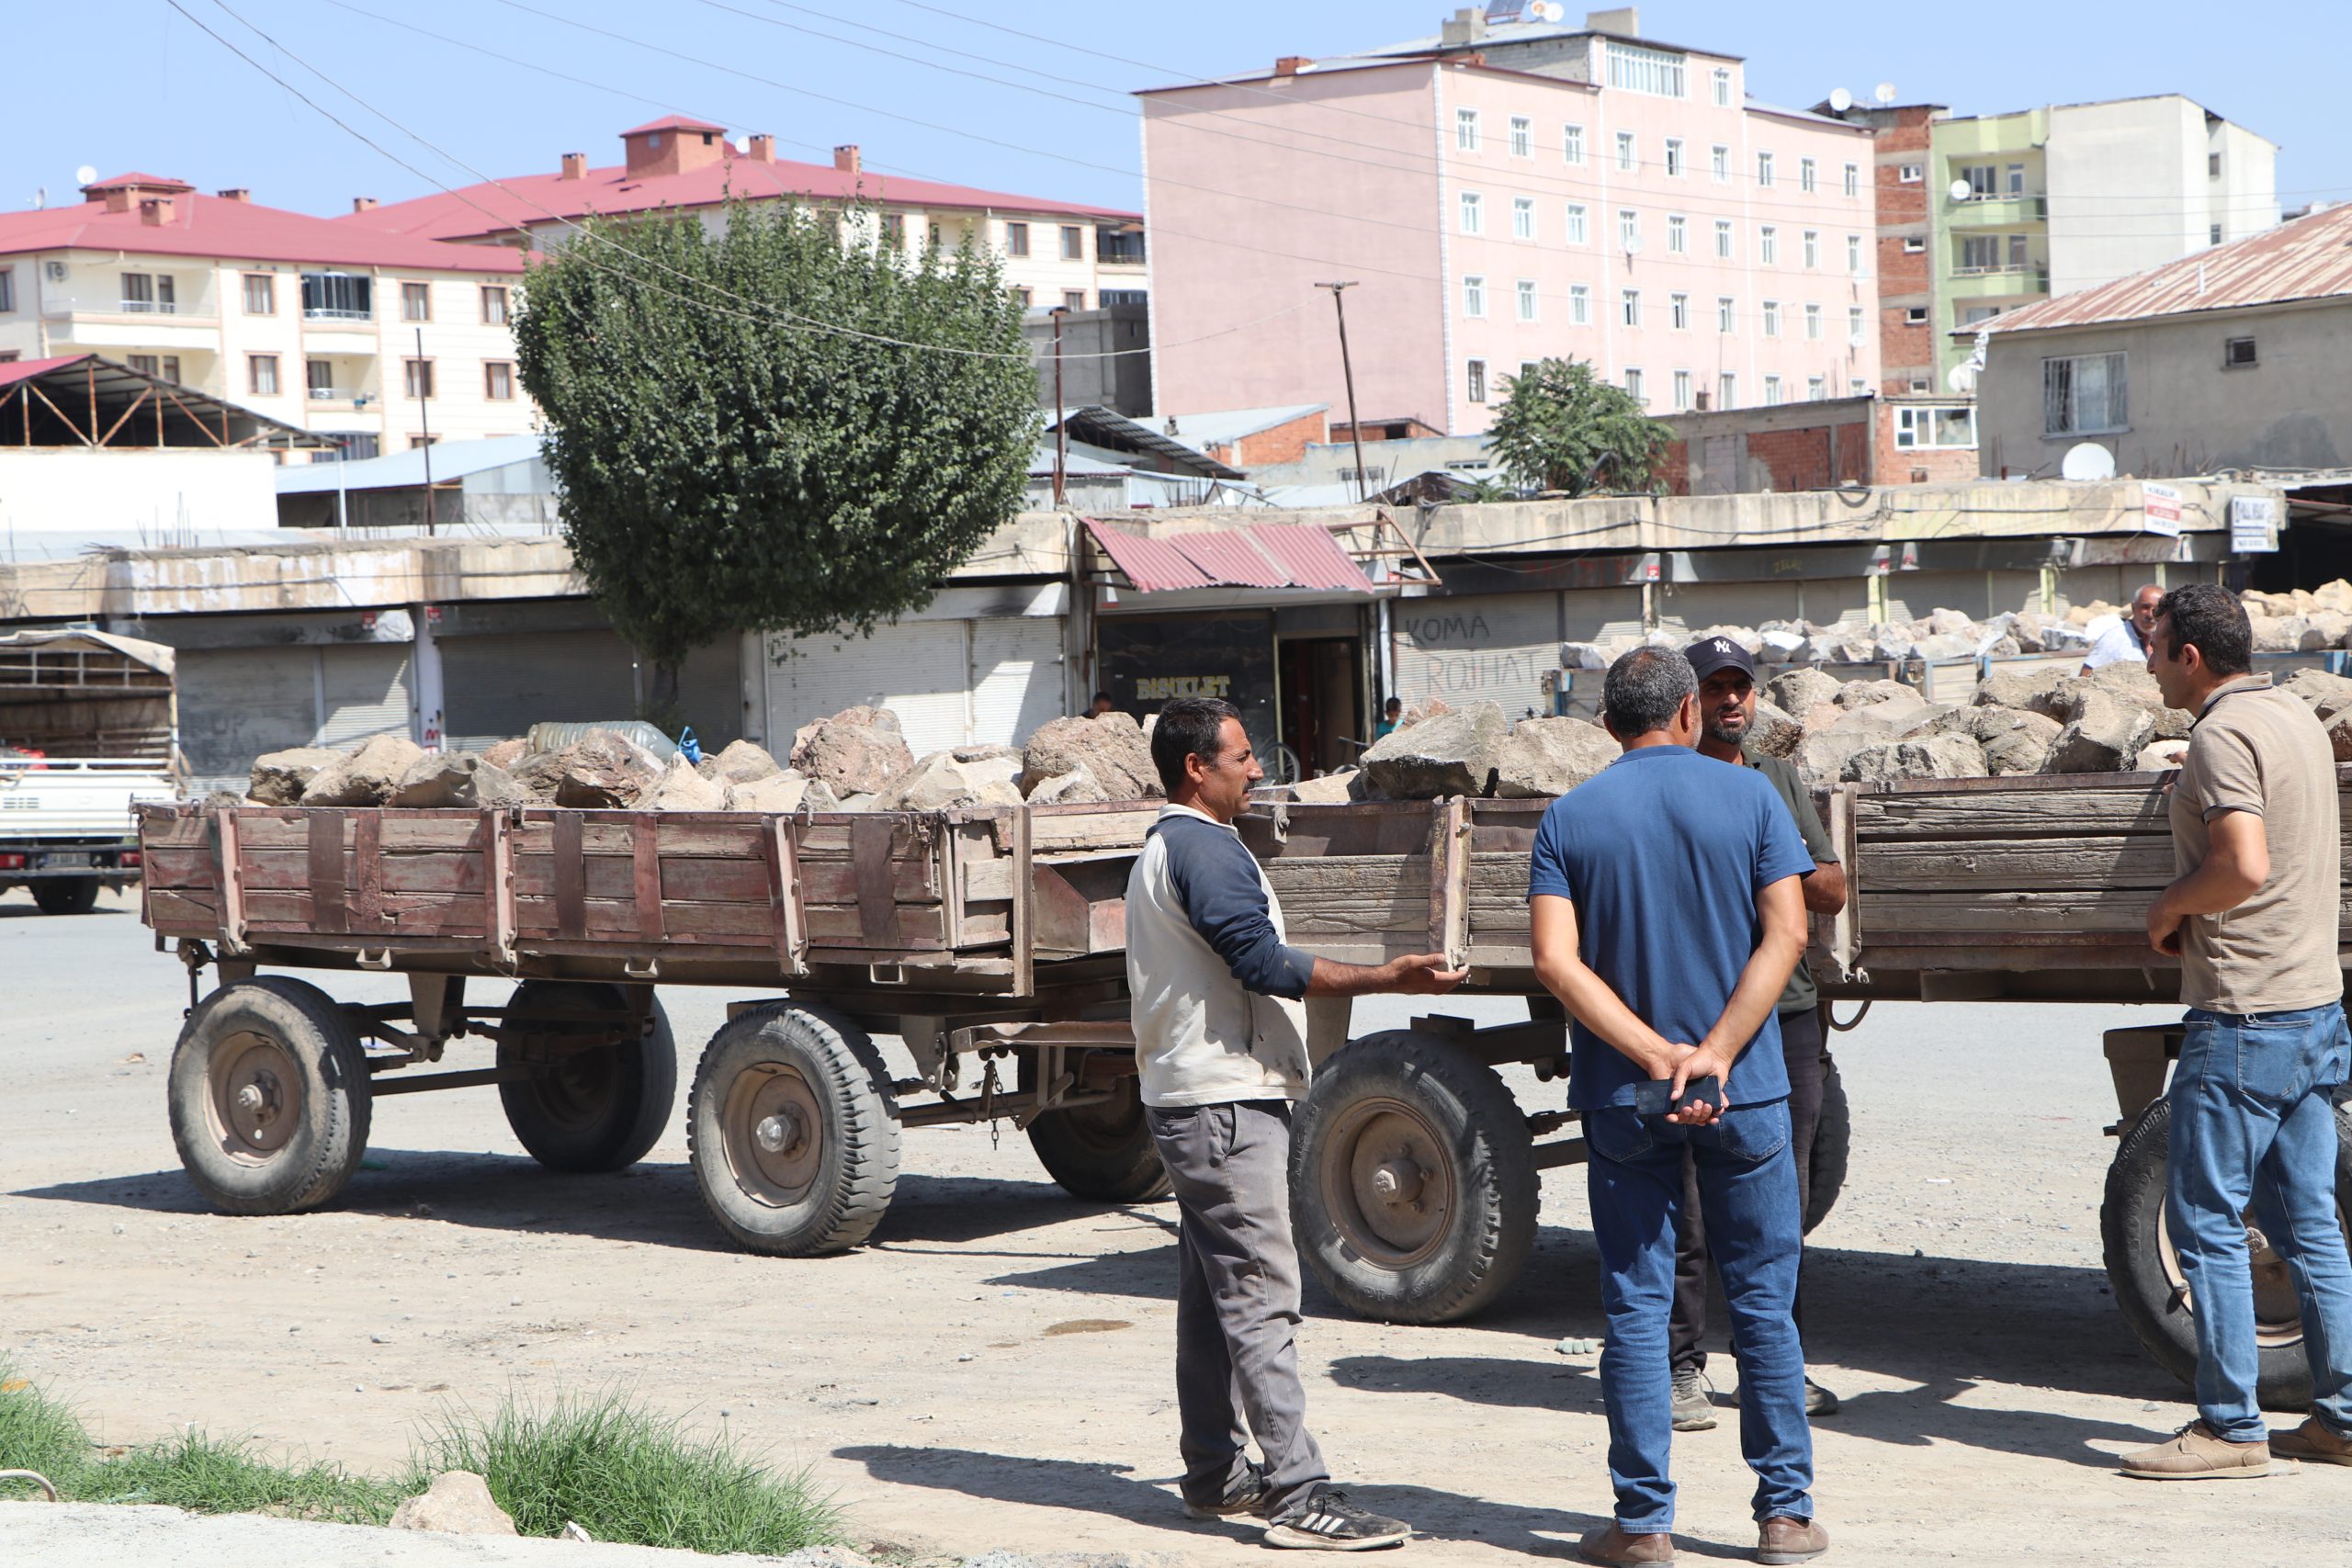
[381, 341]
[1506, 189]
[1055, 254]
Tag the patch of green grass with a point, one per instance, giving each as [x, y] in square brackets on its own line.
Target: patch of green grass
[37, 1433]
[627, 1473]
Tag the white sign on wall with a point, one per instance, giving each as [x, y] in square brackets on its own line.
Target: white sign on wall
[2254, 525]
[2160, 509]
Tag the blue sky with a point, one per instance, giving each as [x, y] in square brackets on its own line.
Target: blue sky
[174, 102]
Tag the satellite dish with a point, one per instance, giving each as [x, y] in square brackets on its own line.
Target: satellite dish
[1962, 377]
[1856, 340]
[1632, 244]
[2087, 461]
[1962, 190]
[84, 174]
[1549, 11]
[1886, 93]
[1841, 100]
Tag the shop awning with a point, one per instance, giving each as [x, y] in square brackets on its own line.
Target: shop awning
[1282, 555]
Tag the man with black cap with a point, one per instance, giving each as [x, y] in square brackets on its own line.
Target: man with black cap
[1726, 675]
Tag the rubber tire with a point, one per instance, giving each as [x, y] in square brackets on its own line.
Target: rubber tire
[2127, 1222]
[66, 894]
[323, 1152]
[1833, 1143]
[1103, 1153]
[858, 1169]
[641, 1084]
[1494, 1177]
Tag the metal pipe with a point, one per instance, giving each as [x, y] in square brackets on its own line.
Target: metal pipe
[1348, 372]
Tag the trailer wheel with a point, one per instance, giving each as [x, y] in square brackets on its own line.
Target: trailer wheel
[2150, 1286]
[595, 1108]
[66, 894]
[1412, 1180]
[1103, 1153]
[268, 1097]
[793, 1130]
[1833, 1142]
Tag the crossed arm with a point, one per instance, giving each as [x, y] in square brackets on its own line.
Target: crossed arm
[1780, 908]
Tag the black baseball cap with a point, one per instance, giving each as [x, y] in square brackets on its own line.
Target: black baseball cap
[1710, 654]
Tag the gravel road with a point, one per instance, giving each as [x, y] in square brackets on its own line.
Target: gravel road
[993, 1371]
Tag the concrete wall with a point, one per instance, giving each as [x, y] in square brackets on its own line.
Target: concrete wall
[1123, 384]
[2155, 150]
[1793, 446]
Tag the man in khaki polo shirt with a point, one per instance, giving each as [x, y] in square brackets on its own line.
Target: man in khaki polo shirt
[2253, 918]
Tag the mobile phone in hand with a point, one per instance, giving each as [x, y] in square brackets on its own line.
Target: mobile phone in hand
[1650, 1097]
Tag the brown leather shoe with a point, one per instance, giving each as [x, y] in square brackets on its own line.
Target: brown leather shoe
[2313, 1442]
[1618, 1549]
[2195, 1453]
[1785, 1539]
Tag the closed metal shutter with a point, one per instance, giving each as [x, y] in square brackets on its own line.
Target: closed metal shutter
[496, 687]
[237, 703]
[364, 689]
[1597, 614]
[1686, 609]
[1471, 647]
[918, 669]
[1016, 676]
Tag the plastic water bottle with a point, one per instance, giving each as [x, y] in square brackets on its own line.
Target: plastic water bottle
[688, 747]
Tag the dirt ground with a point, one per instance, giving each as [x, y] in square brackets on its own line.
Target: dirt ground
[994, 1370]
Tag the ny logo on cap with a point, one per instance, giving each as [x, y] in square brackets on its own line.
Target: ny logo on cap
[1721, 645]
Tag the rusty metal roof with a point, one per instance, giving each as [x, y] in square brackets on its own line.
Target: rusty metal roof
[1312, 556]
[1285, 555]
[1230, 558]
[1152, 565]
[2309, 258]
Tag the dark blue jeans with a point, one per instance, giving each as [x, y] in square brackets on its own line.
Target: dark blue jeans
[1747, 1192]
[2253, 1127]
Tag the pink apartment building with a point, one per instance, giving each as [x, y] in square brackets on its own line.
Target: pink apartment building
[1504, 191]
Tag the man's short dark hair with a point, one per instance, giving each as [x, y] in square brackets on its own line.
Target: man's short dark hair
[2210, 616]
[1187, 727]
[1644, 688]
[1101, 696]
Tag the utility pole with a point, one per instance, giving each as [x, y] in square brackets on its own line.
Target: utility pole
[425, 423]
[1355, 430]
[1061, 437]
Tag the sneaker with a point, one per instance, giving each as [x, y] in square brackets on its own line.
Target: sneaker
[1786, 1538]
[2312, 1441]
[2195, 1453]
[1330, 1523]
[1245, 1493]
[1695, 1408]
[1818, 1400]
[1617, 1548]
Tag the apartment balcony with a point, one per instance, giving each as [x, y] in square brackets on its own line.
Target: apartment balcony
[2026, 282]
[113, 327]
[350, 333]
[1996, 212]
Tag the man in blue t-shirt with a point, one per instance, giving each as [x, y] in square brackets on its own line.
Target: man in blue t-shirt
[1668, 912]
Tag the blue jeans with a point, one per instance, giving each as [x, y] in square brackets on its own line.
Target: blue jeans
[1747, 1193]
[2253, 1127]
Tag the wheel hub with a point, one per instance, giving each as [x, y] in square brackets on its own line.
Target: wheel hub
[1397, 1181]
[1387, 1181]
[774, 1133]
[782, 1134]
[256, 1096]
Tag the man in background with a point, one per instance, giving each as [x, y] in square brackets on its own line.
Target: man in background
[2119, 638]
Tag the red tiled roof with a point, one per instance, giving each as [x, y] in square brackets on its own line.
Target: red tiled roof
[150, 182]
[211, 226]
[2308, 259]
[672, 123]
[610, 191]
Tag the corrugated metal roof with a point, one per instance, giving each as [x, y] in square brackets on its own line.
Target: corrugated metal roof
[1282, 555]
[2308, 259]
[1230, 558]
[1311, 556]
[1151, 565]
[451, 460]
[1224, 426]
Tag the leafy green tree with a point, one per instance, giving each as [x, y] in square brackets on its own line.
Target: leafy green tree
[1564, 428]
[736, 448]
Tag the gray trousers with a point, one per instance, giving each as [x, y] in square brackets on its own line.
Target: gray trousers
[1236, 1300]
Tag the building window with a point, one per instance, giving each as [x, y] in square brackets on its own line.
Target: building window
[1109, 298]
[1726, 313]
[1978, 313]
[1475, 381]
[146, 293]
[1523, 217]
[1723, 86]
[416, 302]
[1915, 316]
[1719, 163]
[1572, 142]
[1927, 429]
[1983, 181]
[1812, 247]
[1679, 311]
[1579, 233]
[1858, 388]
[1023, 298]
[2085, 395]
[416, 443]
[1772, 390]
[1629, 307]
[1980, 252]
[1626, 159]
[495, 305]
[261, 374]
[1526, 298]
[1473, 296]
[1763, 168]
[1914, 245]
[1910, 173]
[7, 289]
[318, 380]
[2213, 234]
[1629, 229]
[1016, 239]
[1118, 247]
[1522, 137]
[1678, 234]
[498, 380]
[1579, 305]
[261, 294]
[1854, 325]
[1073, 299]
[1634, 386]
[1465, 131]
[1073, 242]
[1473, 213]
[2017, 260]
[1653, 71]
[2237, 353]
[894, 231]
[144, 363]
[1768, 245]
[1526, 367]
[337, 297]
[1723, 239]
[1816, 388]
[417, 376]
[1771, 318]
[1726, 390]
[1854, 252]
[1813, 322]
[2212, 165]
[2016, 179]
[1804, 174]
[170, 369]
[1853, 179]
[1674, 156]
[1681, 391]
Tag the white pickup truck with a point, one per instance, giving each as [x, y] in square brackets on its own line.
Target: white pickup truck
[87, 733]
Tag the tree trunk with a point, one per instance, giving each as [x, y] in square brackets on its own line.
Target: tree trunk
[663, 696]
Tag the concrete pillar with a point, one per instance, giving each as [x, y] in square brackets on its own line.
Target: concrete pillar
[429, 723]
